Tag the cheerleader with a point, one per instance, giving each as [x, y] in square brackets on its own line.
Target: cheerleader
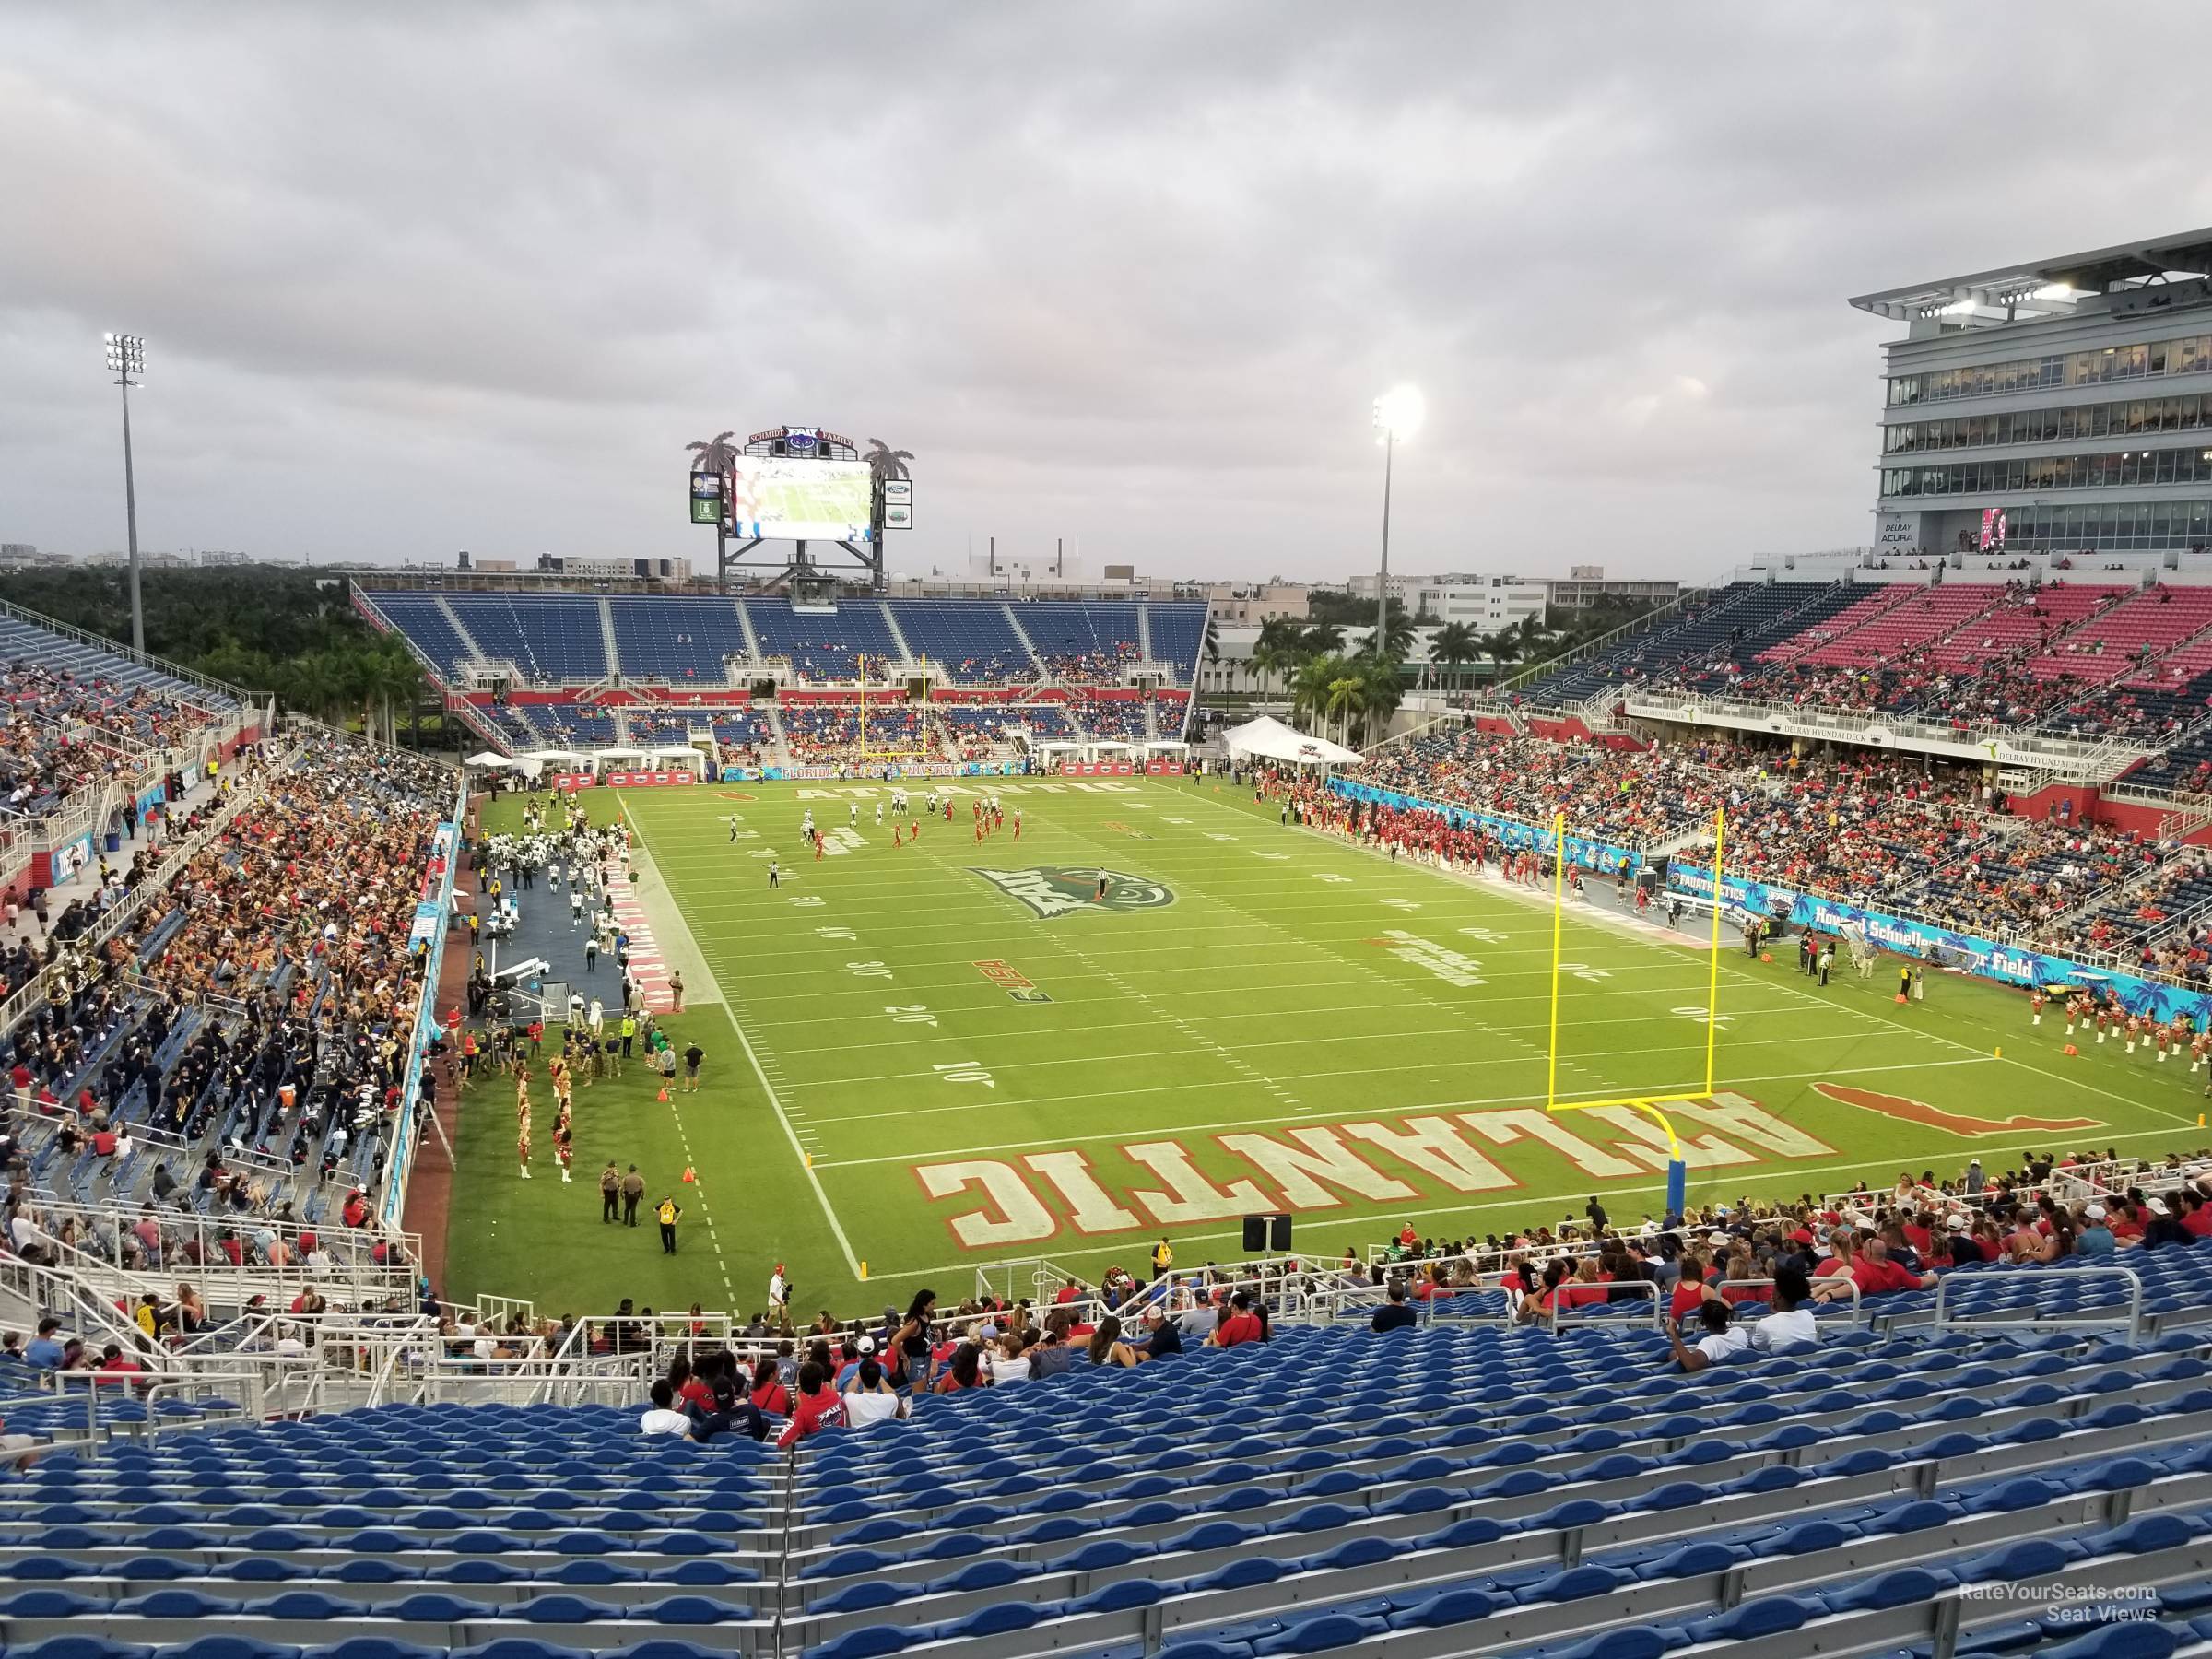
[2133, 1030]
[2035, 1007]
[564, 1148]
[522, 1144]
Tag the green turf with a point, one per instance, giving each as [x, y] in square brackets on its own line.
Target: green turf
[1293, 983]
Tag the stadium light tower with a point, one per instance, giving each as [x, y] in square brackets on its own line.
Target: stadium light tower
[1398, 414]
[126, 359]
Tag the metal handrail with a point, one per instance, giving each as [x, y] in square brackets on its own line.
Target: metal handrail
[1557, 1320]
[2039, 1276]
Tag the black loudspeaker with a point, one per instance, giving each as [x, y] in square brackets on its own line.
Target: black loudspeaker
[1278, 1234]
[1255, 1234]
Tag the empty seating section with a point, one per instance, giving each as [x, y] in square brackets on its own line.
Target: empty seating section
[1178, 630]
[1080, 642]
[1833, 630]
[968, 644]
[569, 724]
[1923, 615]
[2129, 637]
[2027, 617]
[553, 639]
[1047, 721]
[825, 647]
[743, 728]
[680, 641]
[1731, 628]
[22, 642]
[1435, 1491]
[422, 619]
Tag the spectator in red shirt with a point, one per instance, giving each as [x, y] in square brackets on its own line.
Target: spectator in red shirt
[2194, 1214]
[770, 1397]
[1243, 1324]
[356, 1210]
[818, 1407]
[1876, 1275]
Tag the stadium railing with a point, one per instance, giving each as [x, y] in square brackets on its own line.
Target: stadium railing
[69, 1298]
[2071, 757]
[351, 1273]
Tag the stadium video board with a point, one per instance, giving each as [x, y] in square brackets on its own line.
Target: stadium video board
[777, 497]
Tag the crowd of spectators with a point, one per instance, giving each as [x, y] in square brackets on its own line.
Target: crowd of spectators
[258, 1008]
[1100, 666]
[1884, 832]
[821, 733]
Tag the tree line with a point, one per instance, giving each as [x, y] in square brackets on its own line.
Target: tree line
[288, 633]
[1356, 692]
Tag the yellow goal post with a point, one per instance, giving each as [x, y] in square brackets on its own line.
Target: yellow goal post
[1651, 1103]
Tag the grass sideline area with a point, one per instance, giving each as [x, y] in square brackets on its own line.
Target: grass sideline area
[930, 1070]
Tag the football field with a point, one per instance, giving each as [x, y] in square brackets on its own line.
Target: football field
[953, 1055]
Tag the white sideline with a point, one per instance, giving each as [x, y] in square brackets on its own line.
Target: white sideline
[775, 1101]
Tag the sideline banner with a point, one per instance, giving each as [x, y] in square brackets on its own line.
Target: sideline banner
[644, 780]
[1097, 769]
[1582, 852]
[2008, 964]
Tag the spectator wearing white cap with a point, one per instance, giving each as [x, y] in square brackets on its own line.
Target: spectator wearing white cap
[2094, 1241]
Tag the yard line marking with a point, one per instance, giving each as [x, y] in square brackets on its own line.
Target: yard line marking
[1693, 1043]
[790, 1134]
[1085, 1138]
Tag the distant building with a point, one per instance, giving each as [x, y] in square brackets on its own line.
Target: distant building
[1249, 604]
[217, 557]
[17, 552]
[609, 569]
[1478, 601]
[1586, 583]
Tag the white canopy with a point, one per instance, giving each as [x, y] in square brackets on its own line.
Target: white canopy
[488, 758]
[1270, 739]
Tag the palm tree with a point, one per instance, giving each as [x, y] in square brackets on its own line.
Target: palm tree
[1347, 694]
[884, 461]
[1454, 646]
[1503, 647]
[1213, 638]
[1397, 634]
[1309, 690]
[1276, 653]
[1322, 639]
[1379, 696]
[1533, 632]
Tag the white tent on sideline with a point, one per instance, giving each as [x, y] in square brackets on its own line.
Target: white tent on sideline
[1268, 739]
[488, 758]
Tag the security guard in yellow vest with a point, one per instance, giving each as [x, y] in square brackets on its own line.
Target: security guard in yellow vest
[668, 1210]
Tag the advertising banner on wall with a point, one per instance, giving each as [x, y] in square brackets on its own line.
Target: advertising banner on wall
[1582, 852]
[2008, 964]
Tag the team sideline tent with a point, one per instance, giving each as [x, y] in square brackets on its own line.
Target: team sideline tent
[1268, 739]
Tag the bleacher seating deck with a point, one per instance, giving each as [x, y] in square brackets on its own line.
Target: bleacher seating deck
[680, 640]
[553, 639]
[967, 643]
[825, 647]
[22, 641]
[1436, 1491]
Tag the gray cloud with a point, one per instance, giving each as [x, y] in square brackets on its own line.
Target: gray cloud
[418, 277]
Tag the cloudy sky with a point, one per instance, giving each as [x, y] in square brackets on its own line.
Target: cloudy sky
[420, 277]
